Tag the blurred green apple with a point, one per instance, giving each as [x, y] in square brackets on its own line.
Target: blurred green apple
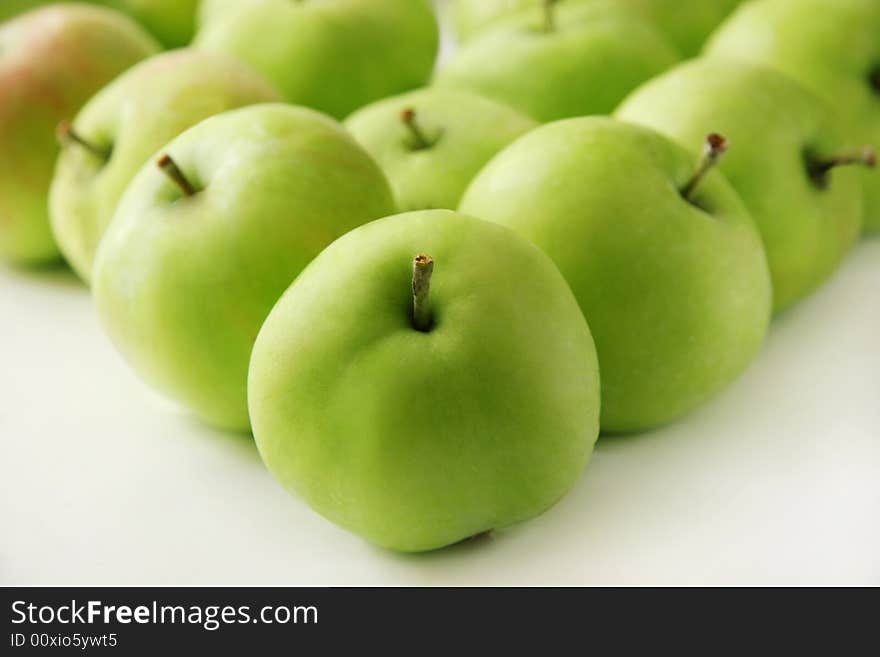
[125, 124]
[786, 142]
[52, 60]
[171, 21]
[210, 10]
[831, 47]
[569, 60]
[334, 55]
[11, 8]
[685, 23]
[470, 17]
[420, 409]
[667, 265]
[194, 260]
[432, 142]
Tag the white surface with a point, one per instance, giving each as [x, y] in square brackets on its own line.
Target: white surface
[776, 481]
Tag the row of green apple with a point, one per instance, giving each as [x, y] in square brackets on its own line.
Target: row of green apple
[422, 400]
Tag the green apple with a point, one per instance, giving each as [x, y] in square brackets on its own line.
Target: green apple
[471, 17]
[561, 62]
[663, 257]
[196, 257]
[786, 142]
[125, 124]
[171, 21]
[428, 378]
[831, 47]
[51, 62]
[211, 10]
[11, 8]
[432, 142]
[686, 23]
[332, 55]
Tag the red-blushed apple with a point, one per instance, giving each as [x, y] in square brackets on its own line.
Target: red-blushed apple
[52, 60]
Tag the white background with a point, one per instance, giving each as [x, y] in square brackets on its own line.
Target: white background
[776, 481]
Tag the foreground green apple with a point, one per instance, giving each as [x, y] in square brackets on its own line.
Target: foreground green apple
[431, 143]
[566, 61]
[125, 124]
[334, 55]
[51, 61]
[831, 47]
[786, 144]
[418, 409]
[194, 260]
[171, 21]
[686, 23]
[667, 266]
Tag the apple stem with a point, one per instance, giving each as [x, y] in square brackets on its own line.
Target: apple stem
[422, 269]
[67, 135]
[550, 15]
[713, 148]
[874, 79]
[819, 168]
[170, 168]
[420, 141]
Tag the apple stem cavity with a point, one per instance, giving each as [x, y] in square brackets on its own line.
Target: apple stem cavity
[714, 148]
[874, 80]
[169, 168]
[550, 15]
[820, 167]
[422, 269]
[419, 141]
[67, 135]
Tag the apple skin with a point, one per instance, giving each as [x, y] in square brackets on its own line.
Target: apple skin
[685, 23]
[772, 123]
[335, 56]
[470, 18]
[469, 130]
[51, 62]
[805, 40]
[170, 21]
[678, 298]
[12, 8]
[183, 284]
[136, 115]
[596, 55]
[417, 440]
